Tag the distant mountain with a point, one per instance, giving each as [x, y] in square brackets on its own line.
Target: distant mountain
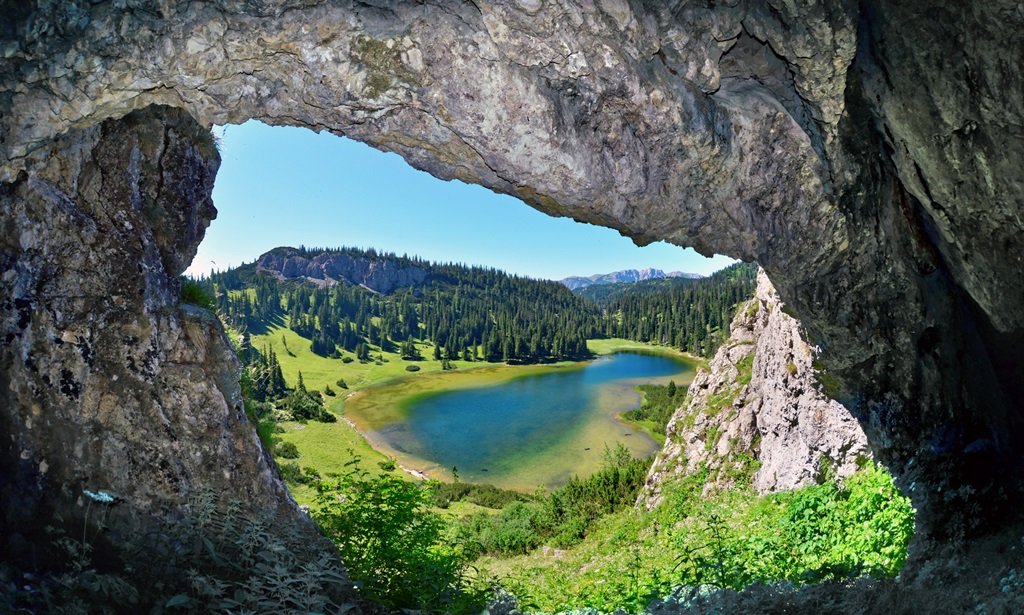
[603, 294]
[375, 271]
[347, 300]
[575, 283]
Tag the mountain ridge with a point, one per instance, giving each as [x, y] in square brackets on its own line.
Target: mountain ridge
[574, 283]
[370, 269]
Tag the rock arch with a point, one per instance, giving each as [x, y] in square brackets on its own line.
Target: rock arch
[865, 153]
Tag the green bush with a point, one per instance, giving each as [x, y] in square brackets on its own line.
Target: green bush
[563, 517]
[412, 368]
[818, 533]
[485, 495]
[394, 546]
[196, 294]
[341, 383]
[291, 472]
[286, 450]
[659, 404]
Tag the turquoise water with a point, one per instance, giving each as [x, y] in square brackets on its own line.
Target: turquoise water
[533, 431]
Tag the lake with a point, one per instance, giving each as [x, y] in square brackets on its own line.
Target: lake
[526, 432]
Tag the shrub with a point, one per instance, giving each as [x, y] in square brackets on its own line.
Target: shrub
[291, 472]
[194, 293]
[328, 390]
[341, 383]
[412, 368]
[485, 495]
[564, 516]
[346, 359]
[286, 450]
[393, 545]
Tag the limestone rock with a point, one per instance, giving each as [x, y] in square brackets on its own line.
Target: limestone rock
[759, 412]
[107, 384]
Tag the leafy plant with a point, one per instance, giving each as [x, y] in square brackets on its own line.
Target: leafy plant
[196, 293]
[563, 517]
[286, 450]
[394, 546]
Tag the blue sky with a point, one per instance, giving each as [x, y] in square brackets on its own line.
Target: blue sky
[290, 186]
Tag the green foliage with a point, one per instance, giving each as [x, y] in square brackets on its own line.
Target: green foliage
[263, 372]
[719, 401]
[658, 405]
[488, 496]
[394, 547]
[341, 383]
[197, 293]
[563, 517]
[286, 450]
[412, 368]
[727, 539]
[304, 406]
[692, 315]
[814, 534]
[745, 369]
[293, 474]
[466, 311]
[329, 391]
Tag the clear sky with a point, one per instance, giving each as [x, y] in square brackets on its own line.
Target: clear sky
[290, 186]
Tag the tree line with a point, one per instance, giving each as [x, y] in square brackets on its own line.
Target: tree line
[691, 315]
[477, 313]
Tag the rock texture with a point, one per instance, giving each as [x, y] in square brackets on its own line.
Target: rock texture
[382, 275]
[107, 384]
[758, 412]
[865, 153]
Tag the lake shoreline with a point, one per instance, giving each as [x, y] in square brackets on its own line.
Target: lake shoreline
[375, 410]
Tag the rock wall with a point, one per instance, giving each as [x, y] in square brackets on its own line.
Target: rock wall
[758, 412]
[865, 153]
[107, 384]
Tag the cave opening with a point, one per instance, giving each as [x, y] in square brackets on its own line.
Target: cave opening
[248, 175]
[894, 234]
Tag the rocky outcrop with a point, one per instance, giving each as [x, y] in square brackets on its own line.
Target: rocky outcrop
[380, 274]
[758, 413]
[865, 153]
[107, 384]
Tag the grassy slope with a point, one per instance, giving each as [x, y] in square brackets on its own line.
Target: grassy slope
[632, 557]
[326, 447]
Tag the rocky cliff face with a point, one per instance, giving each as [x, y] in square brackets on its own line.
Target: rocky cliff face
[865, 153]
[378, 274]
[107, 384]
[758, 412]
